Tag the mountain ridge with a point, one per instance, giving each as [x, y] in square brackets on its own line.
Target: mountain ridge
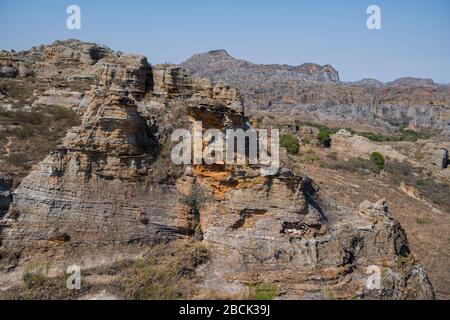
[316, 93]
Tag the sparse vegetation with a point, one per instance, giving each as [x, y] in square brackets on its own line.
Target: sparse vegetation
[19, 90]
[434, 190]
[423, 221]
[290, 143]
[33, 279]
[34, 133]
[263, 291]
[164, 170]
[168, 272]
[329, 294]
[196, 198]
[403, 135]
[195, 201]
[308, 158]
[359, 165]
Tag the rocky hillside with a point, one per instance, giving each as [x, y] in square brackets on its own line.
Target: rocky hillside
[109, 199]
[316, 94]
[219, 65]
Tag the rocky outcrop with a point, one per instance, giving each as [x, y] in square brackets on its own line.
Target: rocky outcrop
[101, 177]
[430, 156]
[357, 146]
[171, 81]
[60, 59]
[64, 97]
[440, 159]
[310, 250]
[12, 65]
[130, 73]
[434, 156]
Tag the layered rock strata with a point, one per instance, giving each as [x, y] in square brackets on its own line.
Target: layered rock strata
[101, 188]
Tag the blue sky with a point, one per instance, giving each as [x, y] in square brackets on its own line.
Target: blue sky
[414, 40]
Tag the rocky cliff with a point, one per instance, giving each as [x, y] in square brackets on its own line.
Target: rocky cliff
[315, 93]
[110, 187]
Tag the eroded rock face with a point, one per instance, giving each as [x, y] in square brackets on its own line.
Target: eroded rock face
[100, 189]
[72, 100]
[290, 236]
[97, 187]
[89, 190]
[129, 73]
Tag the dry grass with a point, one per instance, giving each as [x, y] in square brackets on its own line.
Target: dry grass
[33, 134]
[167, 272]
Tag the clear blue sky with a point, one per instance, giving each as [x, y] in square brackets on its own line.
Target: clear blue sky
[414, 41]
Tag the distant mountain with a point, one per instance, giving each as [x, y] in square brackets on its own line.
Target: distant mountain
[412, 82]
[218, 65]
[316, 93]
[367, 83]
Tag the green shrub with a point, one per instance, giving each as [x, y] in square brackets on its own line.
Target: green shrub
[324, 139]
[290, 143]
[413, 136]
[196, 198]
[378, 160]
[263, 291]
[404, 135]
[374, 136]
[325, 132]
[34, 279]
[195, 201]
[306, 141]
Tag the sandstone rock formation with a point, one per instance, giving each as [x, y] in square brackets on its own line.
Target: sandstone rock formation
[110, 186]
[73, 100]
